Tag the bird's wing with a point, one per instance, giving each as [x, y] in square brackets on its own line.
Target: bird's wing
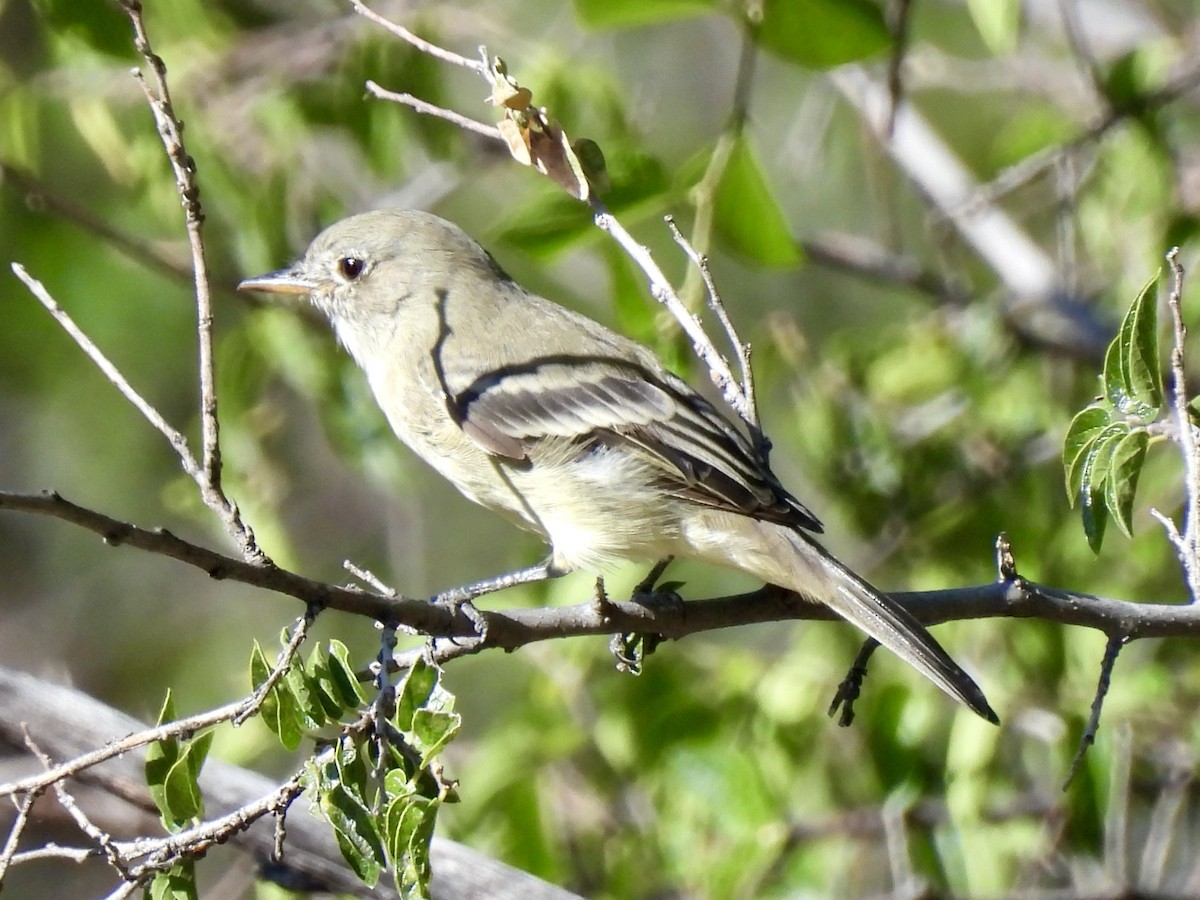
[699, 454]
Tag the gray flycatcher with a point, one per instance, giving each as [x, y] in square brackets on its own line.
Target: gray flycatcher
[568, 429]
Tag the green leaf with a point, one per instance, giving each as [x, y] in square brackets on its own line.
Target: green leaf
[309, 711]
[167, 712]
[341, 672]
[320, 681]
[821, 34]
[260, 669]
[1085, 428]
[173, 770]
[1133, 77]
[1139, 345]
[182, 783]
[357, 837]
[398, 783]
[1113, 377]
[632, 13]
[182, 795]
[746, 215]
[1132, 378]
[279, 708]
[1125, 467]
[409, 824]
[178, 883]
[1095, 472]
[433, 730]
[161, 757]
[998, 23]
[413, 692]
[1095, 517]
[353, 772]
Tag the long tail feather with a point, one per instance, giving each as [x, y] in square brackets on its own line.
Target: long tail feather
[794, 560]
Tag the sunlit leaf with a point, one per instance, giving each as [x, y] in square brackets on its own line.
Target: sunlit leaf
[1139, 345]
[433, 730]
[998, 23]
[357, 837]
[1125, 466]
[161, 756]
[409, 824]
[309, 711]
[1115, 390]
[1085, 428]
[747, 217]
[1092, 491]
[821, 34]
[276, 711]
[413, 692]
[353, 770]
[1132, 378]
[182, 785]
[178, 883]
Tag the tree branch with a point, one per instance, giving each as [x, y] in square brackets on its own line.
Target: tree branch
[67, 723]
[511, 629]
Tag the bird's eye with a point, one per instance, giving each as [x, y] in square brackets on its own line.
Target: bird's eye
[351, 267]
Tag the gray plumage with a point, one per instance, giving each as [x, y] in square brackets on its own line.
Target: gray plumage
[568, 429]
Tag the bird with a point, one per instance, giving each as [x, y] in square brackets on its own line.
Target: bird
[568, 429]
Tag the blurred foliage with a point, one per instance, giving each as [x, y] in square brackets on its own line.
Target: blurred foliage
[918, 424]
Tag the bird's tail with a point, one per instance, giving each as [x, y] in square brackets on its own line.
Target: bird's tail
[793, 560]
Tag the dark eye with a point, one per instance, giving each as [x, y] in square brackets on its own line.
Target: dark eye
[351, 267]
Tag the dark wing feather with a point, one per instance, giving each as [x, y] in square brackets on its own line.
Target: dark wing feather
[700, 455]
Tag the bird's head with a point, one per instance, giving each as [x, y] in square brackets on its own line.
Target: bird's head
[359, 271]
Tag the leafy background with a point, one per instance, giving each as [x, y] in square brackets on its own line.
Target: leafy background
[915, 421]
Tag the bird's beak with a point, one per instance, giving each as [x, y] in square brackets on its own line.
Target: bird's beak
[282, 281]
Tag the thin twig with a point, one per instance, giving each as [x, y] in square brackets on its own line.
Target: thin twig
[51, 850]
[718, 307]
[162, 853]
[1033, 165]
[1187, 435]
[367, 577]
[283, 662]
[1077, 40]
[421, 44]
[1115, 644]
[15, 831]
[170, 130]
[81, 763]
[661, 290]
[113, 374]
[660, 286]
[905, 882]
[430, 109]
[99, 836]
